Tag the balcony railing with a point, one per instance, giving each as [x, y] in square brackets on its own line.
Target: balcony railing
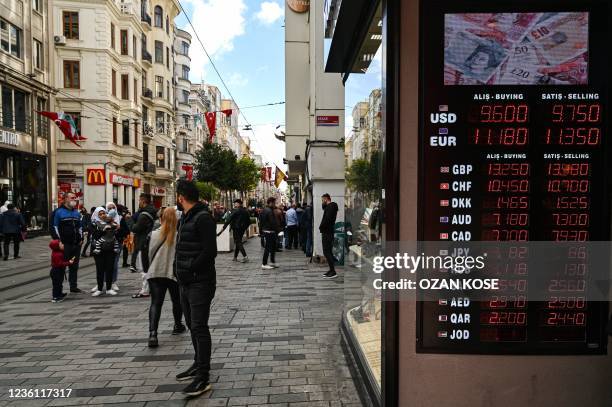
[146, 56]
[149, 167]
[145, 18]
[148, 93]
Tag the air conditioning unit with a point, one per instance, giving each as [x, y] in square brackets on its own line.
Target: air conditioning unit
[59, 40]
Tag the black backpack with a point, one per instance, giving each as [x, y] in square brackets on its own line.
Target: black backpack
[107, 241]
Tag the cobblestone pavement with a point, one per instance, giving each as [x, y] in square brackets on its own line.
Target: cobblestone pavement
[276, 341]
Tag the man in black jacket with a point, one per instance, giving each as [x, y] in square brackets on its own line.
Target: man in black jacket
[239, 222]
[194, 267]
[269, 226]
[141, 229]
[330, 210]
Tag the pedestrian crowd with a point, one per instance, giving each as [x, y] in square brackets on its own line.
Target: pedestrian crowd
[175, 249]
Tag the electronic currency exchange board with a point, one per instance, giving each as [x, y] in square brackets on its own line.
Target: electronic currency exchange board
[514, 143]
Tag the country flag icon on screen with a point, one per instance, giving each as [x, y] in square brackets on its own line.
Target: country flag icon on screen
[443, 219]
[443, 108]
[442, 301]
[443, 252]
[443, 236]
[443, 130]
[442, 334]
[444, 170]
[444, 202]
[444, 185]
[442, 318]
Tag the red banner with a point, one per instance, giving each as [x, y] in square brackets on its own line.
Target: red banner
[211, 121]
[188, 172]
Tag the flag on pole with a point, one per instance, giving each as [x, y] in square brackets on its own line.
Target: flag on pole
[279, 177]
[66, 124]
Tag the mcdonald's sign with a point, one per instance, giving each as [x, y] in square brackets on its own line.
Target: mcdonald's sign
[95, 176]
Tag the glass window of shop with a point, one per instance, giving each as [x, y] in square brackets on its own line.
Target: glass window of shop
[365, 202]
[23, 181]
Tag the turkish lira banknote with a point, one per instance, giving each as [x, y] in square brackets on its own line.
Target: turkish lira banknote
[516, 48]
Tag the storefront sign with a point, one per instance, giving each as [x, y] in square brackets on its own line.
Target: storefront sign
[159, 191]
[96, 176]
[328, 121]
[299, 6]
[118, 179]
[8, 137]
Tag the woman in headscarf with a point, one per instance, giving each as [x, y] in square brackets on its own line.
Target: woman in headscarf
[161, 276]
[106, 249]
[4, 207]
[122, 232]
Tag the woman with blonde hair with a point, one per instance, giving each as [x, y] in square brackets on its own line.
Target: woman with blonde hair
[161, 276]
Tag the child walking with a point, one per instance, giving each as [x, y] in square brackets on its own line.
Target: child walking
[58, 269]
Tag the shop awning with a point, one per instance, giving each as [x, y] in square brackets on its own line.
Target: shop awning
[357, 35]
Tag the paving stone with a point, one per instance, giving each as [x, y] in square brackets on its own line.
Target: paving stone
[275, 342]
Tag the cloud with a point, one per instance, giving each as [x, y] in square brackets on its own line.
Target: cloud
[237, 80]
[269, 12]
[218, 23]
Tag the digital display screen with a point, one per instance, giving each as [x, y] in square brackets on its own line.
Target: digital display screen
[513, 148]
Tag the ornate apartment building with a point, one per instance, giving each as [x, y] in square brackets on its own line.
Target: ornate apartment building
[185, 140]
[25, 146]
[112, 63]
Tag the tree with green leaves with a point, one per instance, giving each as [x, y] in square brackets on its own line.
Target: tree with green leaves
[363, 175]
[216, 164]
[247, 175]
[208, 191]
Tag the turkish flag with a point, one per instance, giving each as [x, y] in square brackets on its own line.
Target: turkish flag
[211, 121]
[227, 112]
[188, 172]
[66, 125]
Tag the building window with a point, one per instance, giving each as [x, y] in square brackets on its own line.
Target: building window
[159, 86]
[124, 42]
[159, 121]
[185, 97]
[134, 47]
[144, 81]
[114, 130]
[112, 34]
[38, 54]
[136, 134]
[10, 38]
[160, 155]
[113, 82]
[185, 73]
[159, 19]
[14, 104]
[42, 124]
[185, 145]
[145, 115]
[71, 25]
[125, 87]
[168, 91]
[159, 52]
[37, 5]
[125, 132]
[76, 118]
[72, 75]
[167, 57]
[145, 155]
[135, 90]
[184, 48]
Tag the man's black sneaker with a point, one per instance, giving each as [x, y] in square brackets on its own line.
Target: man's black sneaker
[17, 257]
[329, 275]
[178, 329]
[133, 269]
[187, 374]
[76, 290]
[153, 343]
[200, 385]
[57, 299]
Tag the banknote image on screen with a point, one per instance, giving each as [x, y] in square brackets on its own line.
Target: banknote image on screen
[516, 48]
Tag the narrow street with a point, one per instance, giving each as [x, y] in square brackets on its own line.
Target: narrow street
[276, 339]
